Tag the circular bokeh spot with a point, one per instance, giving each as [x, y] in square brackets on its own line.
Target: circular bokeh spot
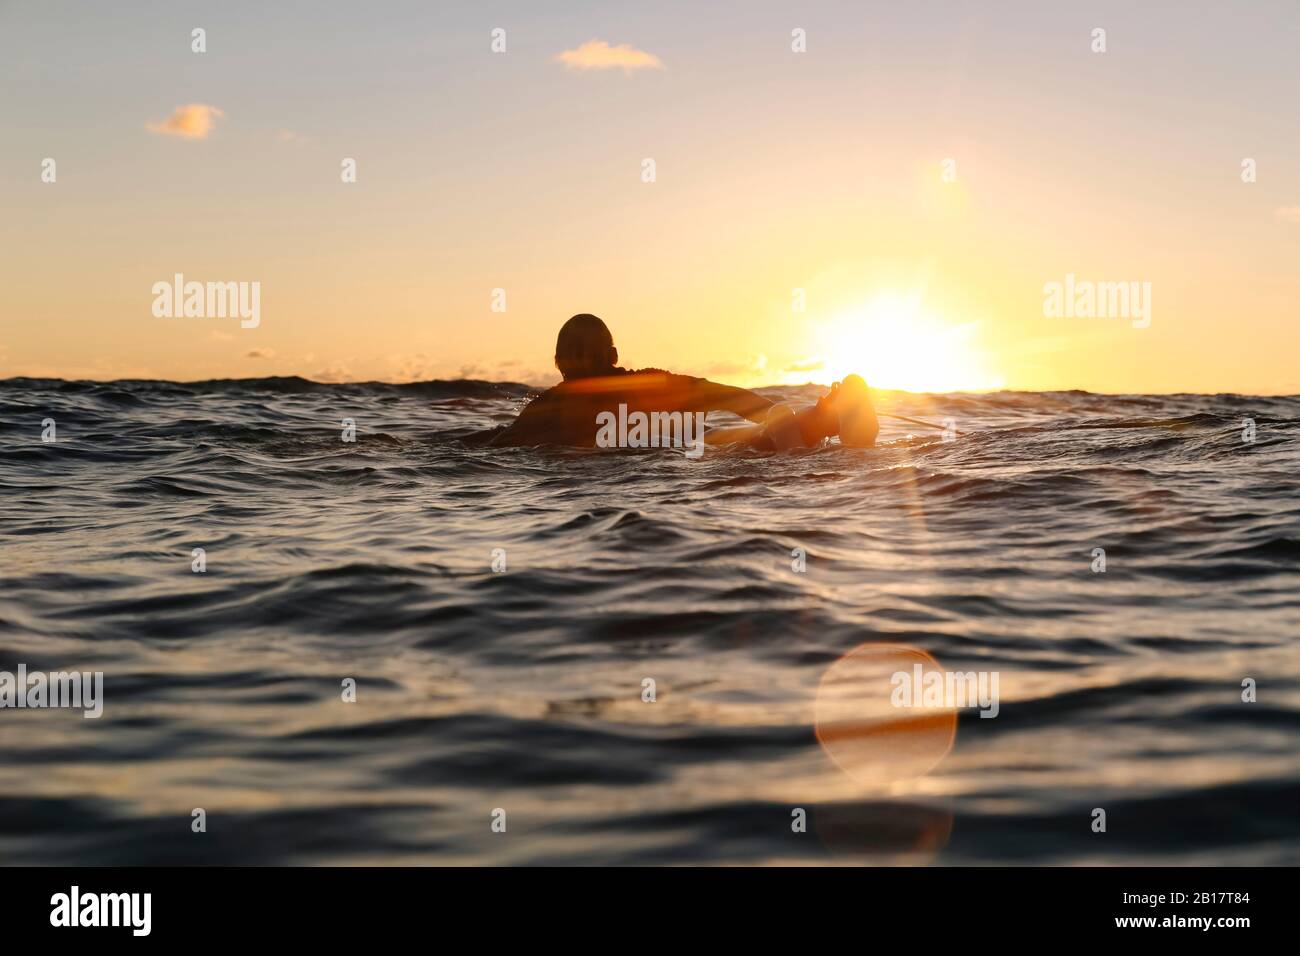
[869, 717]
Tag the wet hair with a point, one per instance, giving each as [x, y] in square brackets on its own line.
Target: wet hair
[585, 348]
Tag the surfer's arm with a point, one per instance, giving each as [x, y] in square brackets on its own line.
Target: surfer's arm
[707, 396]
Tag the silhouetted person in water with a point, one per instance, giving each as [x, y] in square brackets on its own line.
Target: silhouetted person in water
[594, 384]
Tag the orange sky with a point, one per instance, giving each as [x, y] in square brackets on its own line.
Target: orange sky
[775, 171]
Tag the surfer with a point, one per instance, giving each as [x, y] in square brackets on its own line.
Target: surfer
[594, 384]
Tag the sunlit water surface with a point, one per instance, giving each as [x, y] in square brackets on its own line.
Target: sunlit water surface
[523, 690]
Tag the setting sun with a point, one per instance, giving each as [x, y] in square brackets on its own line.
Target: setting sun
[894, 342]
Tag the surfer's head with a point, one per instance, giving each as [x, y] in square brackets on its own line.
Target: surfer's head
[585, 348]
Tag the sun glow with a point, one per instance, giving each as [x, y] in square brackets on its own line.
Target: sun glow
[893, 342]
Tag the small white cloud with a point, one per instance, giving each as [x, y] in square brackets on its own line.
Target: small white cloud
[599, 55]
[193, 121]
[1287, 213]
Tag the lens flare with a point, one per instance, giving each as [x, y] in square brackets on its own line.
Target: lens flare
[864, 732]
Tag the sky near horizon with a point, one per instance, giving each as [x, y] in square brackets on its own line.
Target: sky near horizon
[896, 199]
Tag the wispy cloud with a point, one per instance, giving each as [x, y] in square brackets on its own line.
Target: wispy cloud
[193, 121]
[756, 363]
[333, 374]
[599, 55]
[1287, 213]
[261, 353]
[806, 365]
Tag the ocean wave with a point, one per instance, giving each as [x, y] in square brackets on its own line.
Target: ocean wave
[732, 582]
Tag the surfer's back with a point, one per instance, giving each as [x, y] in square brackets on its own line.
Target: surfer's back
[567, 414]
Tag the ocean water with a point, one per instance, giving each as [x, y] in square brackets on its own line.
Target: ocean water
[520, 695]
